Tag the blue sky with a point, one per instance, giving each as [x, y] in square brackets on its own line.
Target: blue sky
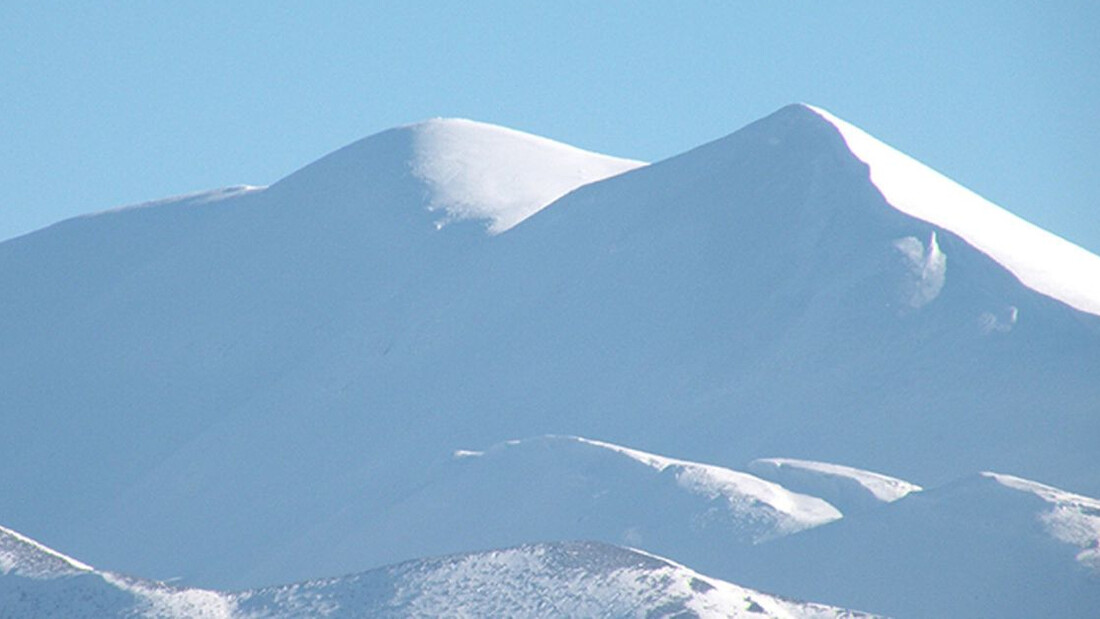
[113, 103]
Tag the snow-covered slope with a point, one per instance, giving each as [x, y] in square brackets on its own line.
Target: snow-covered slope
[1069, 518]
[556, 488]
[22, 556]
[1041, 260]
[745, 493]
[461, 169]
[988, 545]
[199, 389]
[848, 488]
[483, 172]
[572, 579]
[36, 581]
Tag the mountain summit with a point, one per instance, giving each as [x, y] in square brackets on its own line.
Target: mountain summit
[462, 169]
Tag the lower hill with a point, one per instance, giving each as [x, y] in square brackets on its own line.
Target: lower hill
[987, 545]
[537, 580]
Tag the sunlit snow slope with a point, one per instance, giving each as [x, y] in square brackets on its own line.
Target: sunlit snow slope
[848, 488]
[202, 387]
[1040, 259]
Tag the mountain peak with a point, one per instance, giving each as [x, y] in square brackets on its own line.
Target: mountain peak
[466, 170]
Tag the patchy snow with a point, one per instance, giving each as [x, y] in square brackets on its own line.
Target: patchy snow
[1041, 260]
[1072, 518]
[536, 580]
[155, 599]
[564, 579]
[814, 475]
[999, 322]
[485, 172]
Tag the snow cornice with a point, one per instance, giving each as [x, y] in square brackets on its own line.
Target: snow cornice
[1041, 260]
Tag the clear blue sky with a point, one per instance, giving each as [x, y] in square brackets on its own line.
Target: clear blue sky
[110, 103]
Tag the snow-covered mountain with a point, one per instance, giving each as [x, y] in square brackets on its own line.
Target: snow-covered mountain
[234, 387]
[566, 579]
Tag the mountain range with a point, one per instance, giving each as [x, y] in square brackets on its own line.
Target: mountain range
[788, 358]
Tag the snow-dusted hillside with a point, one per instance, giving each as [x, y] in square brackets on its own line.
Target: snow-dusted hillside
[37, 581]
[568, 579]
[211, 387]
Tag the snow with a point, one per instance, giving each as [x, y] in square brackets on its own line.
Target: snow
[206, 196]
[821, 479]
[928, 268]
[736, 487]
[983, 545]
[41, 582]
[1072, 518]
[271, 386]
[1042, 261]
[561, 487]
[533, 580]
[26, 557]
[488, 173]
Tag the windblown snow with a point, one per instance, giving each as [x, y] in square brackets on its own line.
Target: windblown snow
[23, 556]
[502, 176]
[743, 491]
[1042, 261]
[827, 480]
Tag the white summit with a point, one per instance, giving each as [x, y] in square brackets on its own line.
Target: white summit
[502, 176]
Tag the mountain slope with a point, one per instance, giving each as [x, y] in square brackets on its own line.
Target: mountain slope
[199, 401]
[559, 488]
[162, 322]
[988, 545]
[1041, 260]
[36, 581]
[574, 579]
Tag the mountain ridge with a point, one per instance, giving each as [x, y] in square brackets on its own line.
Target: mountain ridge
[533, 580]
